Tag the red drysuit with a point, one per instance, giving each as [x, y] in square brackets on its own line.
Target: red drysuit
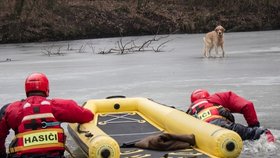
[236, 104]
[62, 110]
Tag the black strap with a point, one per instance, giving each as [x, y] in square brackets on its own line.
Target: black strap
[2, 110]
[198, 109]
[33, 125]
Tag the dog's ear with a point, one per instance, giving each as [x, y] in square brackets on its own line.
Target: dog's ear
[223, 29]
[216, 29]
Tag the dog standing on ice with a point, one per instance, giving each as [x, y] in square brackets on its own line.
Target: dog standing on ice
[214, 39]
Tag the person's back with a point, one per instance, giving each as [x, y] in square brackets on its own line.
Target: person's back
[36, 121]
[236, 104]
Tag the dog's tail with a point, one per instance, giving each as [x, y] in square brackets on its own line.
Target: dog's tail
[203, 39]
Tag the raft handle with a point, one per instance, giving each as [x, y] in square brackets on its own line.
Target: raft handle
[161, 103]
[115, 96]
[88, 134]
[79, 130]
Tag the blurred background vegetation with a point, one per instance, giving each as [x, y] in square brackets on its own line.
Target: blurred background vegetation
[51, 20]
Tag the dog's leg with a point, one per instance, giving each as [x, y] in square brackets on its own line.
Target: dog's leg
[204, 52]
[209, 51]
[204, 48]
[216, 50]
[222, 47]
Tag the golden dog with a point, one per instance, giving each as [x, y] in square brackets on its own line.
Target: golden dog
[214, 39]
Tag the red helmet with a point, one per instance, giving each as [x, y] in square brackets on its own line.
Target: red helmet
[199, 94]
[37, 82]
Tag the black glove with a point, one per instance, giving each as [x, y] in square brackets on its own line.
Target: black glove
[227, 114]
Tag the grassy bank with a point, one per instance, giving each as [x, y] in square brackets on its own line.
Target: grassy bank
[40, 20]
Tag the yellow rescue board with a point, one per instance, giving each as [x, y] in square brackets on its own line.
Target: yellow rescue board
[120, 120]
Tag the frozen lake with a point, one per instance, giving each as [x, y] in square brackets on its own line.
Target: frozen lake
[251, 68]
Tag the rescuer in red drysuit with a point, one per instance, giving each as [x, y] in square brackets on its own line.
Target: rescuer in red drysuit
[218, 108]
[36, 121]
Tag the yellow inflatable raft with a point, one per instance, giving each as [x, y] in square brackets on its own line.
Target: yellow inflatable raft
[123, 120]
